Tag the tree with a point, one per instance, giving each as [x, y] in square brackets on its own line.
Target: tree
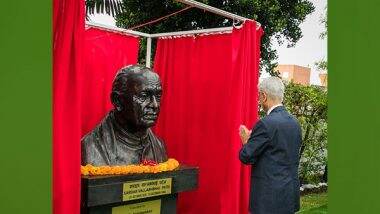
[309, 105]
[322, 64]
[323, 21]
[280, 19]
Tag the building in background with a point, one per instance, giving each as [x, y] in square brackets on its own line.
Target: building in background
[294, 73]
[323, 78]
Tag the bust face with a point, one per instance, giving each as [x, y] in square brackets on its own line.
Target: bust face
[146, 96]
[136, 96]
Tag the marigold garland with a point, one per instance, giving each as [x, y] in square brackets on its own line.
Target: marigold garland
[169, 165]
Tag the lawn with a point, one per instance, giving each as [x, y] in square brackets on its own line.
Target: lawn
[314, 204]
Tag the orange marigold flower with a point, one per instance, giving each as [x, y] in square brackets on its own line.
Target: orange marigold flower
[170, 164]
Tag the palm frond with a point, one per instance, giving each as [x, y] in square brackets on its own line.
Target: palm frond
[110, 7]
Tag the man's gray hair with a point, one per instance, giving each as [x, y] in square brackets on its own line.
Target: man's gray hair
[273, 87]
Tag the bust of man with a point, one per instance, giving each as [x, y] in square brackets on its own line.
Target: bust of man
[124, 136]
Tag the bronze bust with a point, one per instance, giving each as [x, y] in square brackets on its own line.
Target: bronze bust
[124, 136]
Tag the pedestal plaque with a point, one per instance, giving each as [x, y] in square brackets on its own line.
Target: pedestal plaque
[137, 193]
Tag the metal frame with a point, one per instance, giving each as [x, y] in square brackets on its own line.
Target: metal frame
[212, 9]
[116, 29]
[149, 37]
[148, 51]
[191, 32]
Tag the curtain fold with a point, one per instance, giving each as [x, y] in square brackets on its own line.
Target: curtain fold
[210, 88]
[105, 54]
[68, 40]
[243, 93]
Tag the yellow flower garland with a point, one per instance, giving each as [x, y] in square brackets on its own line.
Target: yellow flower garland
[169, 165]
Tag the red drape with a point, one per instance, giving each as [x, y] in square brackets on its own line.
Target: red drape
[105, 54]
[68, 40]
[85, 63]
[210, 88]
[243, 94]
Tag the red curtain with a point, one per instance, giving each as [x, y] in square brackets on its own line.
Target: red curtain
[210, 88]
[68, 40]
[105, 54]
[243, 94]
[85, 63]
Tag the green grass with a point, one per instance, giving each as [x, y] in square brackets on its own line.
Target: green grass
[314, 204]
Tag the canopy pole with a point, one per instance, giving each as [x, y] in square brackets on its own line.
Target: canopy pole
[148, 51]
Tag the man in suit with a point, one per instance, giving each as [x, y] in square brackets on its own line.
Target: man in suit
[272, 148]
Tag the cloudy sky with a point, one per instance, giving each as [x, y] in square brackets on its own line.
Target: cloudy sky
[309, 49]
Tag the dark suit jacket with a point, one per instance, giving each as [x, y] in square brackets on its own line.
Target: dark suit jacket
[273, 150]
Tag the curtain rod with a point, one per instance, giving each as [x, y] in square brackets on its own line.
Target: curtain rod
[117, 29]
[192, 3]
[156, 35]
[189, 32]
[215, 10]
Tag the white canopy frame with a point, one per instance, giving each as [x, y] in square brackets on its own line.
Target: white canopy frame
[149, 37]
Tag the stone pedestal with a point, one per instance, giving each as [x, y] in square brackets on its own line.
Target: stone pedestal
[137, 193]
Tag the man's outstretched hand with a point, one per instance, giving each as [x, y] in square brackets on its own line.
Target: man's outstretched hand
[244, 133]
